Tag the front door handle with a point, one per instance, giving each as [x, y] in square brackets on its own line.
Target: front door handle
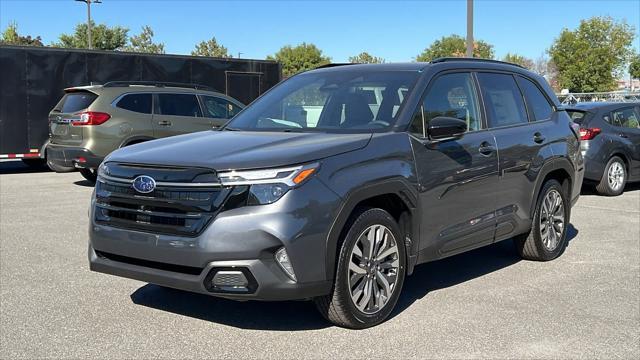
[538, 138]
[486, 149]
[164, 123]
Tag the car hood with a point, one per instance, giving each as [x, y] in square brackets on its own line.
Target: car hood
[235, 150]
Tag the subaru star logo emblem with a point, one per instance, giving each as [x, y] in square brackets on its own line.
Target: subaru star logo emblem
[144, 184]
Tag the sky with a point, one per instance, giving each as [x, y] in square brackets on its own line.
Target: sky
[394, 30]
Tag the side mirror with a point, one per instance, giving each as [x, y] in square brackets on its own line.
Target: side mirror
[442, 127]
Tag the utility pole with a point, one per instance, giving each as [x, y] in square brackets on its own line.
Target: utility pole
[469, 28]
[89, 2]
[239, 54]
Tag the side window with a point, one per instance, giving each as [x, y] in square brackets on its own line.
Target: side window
[450, 95]
[179, 105]
[140, 103]
[502, 99]
[536, 101]
[627, 118]
[215, 107]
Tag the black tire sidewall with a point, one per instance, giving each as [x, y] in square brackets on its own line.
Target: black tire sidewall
[545, 254]
[89, 174]
[364, 220]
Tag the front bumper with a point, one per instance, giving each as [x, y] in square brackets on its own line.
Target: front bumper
[72, 156]
[244, 238]
[271, 282]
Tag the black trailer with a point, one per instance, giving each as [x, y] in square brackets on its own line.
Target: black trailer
[32, 80]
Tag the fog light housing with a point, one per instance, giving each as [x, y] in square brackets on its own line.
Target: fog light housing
[282, 258]
[230, 280]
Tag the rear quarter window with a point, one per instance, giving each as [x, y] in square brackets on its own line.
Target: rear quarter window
[577, 117]
[76, 101]
[140, 103]
[536, 101]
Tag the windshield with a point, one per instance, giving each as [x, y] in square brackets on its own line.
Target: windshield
[350, 101]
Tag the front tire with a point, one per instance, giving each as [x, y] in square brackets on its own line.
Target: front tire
[370, 272]
[614, 178]
[547, 238]
[90, 174]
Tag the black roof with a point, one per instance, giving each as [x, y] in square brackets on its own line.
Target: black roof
[600, 105]
[417, 66]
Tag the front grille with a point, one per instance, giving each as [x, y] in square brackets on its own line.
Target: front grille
[177, 209]
[151, 264]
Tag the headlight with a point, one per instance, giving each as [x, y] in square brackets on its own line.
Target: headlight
[268, 185]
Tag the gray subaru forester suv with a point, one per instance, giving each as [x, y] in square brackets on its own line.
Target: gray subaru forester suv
[336, 183]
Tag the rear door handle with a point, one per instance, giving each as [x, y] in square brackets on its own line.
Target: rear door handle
[164, 123]
[623, 136]
[538, 138]
[486, 149]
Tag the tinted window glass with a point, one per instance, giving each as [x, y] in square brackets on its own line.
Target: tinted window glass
[74, 102]
[577, 117]
[344, 101]
[536, 101]
[451, 95]
[215, 107]
[179, 105]
[627, 118]
[503, 99]
[140, 103]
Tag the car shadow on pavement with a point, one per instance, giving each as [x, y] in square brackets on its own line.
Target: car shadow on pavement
[302, 315]
[18, 167]
[590, 189]
[256, 315]
[85, 183]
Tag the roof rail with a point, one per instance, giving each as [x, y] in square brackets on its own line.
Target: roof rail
[157, 84]
[334, 65]
[447, 59]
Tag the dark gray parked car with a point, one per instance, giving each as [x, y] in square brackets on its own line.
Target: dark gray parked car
[610, 143]
[337, 182]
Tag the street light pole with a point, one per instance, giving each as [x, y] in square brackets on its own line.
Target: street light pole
[88, 2]
[469, 28]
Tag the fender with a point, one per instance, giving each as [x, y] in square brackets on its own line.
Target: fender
[555, 164]
[137, 139]
[397, 186]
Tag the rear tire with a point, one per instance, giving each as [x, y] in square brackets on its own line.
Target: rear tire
[59, 169]
[90, 174]
[547, 238]
[364, 277]
[614, 178]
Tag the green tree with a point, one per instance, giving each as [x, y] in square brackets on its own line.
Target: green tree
[102, 37]
[10, 36]
[365, 58]
[455, 45]
[143, 43]
[591, 57]
[519, 59]
[299, 58]
[211, 48]
[634, 67]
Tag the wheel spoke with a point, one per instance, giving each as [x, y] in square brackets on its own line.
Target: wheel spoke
[356, 268]
[373, 268]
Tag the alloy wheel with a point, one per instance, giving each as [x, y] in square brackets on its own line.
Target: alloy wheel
[373, 269]
[552, 220]
[615, 176]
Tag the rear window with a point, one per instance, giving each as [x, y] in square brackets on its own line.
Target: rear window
[577, 117]
[76, 101]
[140, 103]
[503, 99]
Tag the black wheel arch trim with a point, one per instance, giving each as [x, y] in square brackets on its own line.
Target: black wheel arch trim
[559, 163]
[396, 186]
[135, 139]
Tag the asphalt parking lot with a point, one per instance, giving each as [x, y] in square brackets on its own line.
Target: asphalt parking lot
[483, 304]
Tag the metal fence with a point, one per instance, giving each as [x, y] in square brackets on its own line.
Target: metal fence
[614, 96]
